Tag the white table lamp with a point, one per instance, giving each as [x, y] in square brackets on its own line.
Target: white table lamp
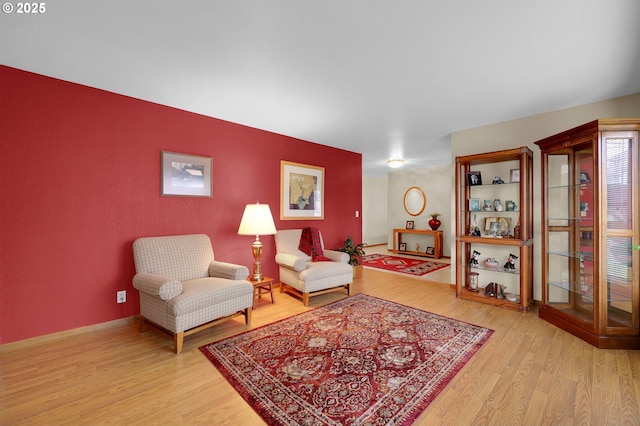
[257, 220]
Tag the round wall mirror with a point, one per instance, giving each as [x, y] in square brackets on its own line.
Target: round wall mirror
[414, 201]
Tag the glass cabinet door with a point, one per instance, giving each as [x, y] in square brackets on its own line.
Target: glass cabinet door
[619, 269]
[570, 224]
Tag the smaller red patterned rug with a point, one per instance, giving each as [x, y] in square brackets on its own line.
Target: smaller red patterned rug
[358, 361]
[402, 264]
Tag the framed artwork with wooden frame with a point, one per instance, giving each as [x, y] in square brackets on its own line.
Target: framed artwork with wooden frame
[185, 175]
[301, 191]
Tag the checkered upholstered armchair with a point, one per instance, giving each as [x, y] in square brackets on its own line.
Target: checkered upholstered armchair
[304, 278]
[183, 289]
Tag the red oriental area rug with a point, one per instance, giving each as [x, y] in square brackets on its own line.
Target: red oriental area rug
[402, 264]
[360, 360]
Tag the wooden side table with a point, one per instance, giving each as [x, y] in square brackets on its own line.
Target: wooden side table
[264, 286]
[438, 240]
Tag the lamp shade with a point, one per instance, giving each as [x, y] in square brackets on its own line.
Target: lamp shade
[257, 220]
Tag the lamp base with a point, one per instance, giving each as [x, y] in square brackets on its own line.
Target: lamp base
[256, 247]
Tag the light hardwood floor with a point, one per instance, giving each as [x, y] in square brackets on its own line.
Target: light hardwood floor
[528, 373]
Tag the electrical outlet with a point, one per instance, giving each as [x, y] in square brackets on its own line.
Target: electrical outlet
[121, 296]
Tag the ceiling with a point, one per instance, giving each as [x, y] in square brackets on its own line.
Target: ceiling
[382, 78]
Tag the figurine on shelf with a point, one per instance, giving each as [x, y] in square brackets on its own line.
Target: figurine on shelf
[497, 205]
[474, 230]
[417, 247]
[486, 206]
[516, 231]
[473, 261]
[473, 281]
[510, 206]
[511, 262]
[497, 180]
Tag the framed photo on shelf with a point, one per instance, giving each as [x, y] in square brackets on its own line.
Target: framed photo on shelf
[403, 246]
[185, 175]
[409, 224]
[301, 191]
[504, 223]
[514, 176]
[474, 178]
[431, 251]
[474, 204]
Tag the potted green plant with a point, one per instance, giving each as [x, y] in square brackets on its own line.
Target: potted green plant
[355, 252]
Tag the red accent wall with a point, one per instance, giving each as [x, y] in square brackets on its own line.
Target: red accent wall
[80, 173]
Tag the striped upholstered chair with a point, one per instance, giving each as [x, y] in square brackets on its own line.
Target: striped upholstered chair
[300, 276]
[183, 289]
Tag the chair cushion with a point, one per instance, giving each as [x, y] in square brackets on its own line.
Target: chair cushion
[321, 270]
[178, 257]
[288, 240]
[203, 292]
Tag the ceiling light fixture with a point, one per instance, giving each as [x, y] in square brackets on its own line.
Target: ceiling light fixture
[394, 163]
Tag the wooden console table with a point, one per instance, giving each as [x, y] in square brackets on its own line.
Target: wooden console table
[438, 240]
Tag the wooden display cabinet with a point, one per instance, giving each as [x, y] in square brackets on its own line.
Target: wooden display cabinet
[494, 220]
[591, 232]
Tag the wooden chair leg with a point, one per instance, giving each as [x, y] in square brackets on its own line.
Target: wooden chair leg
[348, 289]
[247, 316]
[143, 324]
[178, 341]
[305, 299]
[271, 291]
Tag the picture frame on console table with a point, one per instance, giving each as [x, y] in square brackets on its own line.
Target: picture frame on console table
[403, 247]
[185, 175]
[301, 191]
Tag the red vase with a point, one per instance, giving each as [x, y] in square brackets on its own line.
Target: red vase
[434, 223]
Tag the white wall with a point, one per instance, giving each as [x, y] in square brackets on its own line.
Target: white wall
[437, 185]
[374, 210]
[524, 132]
